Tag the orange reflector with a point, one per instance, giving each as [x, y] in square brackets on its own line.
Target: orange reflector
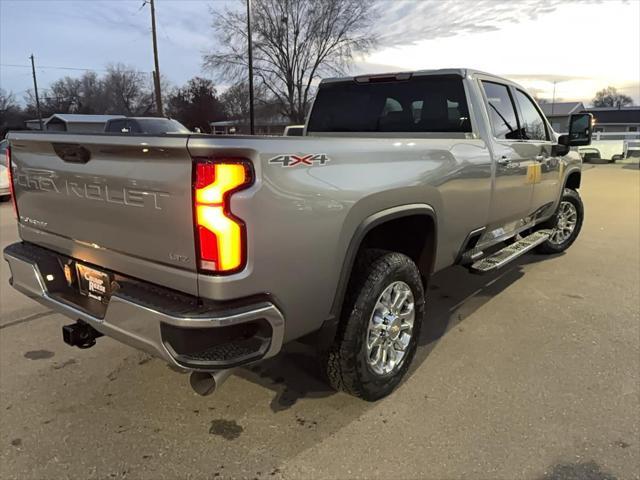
[220, 235]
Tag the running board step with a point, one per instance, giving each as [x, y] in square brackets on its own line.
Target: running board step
[510, 252]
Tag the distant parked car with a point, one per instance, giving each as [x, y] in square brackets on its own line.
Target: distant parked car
[294, 131]
[148, 125]
[611, 146]
[5, 190]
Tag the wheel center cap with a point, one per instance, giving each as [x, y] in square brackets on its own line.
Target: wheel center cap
[393, 328]
[562, 221]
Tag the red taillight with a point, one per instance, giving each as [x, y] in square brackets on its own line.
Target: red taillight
[12, 190]
[221, 236]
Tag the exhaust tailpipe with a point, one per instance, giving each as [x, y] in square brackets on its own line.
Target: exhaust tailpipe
[205, 383]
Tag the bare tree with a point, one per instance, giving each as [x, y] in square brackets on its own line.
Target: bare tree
[11, 115]
[7, 101]
[609, 97]
[295, 42]
[70, 95]
[128, 92]
[63, 96]
[92, 94]
[122, 90]
[196, 104]
[236, 100]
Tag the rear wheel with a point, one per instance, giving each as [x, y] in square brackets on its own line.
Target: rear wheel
[565, 224]
[380, 327]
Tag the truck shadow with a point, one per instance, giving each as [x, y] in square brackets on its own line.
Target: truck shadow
[453, 295]
[632, 166]
[292, 375]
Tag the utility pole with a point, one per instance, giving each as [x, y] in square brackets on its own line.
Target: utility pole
[553, 102]
[251, 112]
[156, 73]
[35, 88]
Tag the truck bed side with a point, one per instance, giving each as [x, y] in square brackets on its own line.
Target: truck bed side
[301, 219]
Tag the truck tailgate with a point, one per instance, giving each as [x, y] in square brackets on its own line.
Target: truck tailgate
[120, 203]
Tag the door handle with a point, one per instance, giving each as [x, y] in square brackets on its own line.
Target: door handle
[540, 158]
[504, 161]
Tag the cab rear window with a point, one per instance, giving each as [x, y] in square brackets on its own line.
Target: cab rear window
[419, 104]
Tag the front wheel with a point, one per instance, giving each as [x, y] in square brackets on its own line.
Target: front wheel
[379, 331]
[565, 224]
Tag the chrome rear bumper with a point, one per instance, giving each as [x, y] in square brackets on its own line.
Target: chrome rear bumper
[149, 321]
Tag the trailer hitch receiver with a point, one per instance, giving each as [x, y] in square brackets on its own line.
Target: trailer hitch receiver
[80, 334]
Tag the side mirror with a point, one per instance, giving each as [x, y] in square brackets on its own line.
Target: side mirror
[580, 126]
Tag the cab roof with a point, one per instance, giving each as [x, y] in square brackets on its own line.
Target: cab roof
[403, 75]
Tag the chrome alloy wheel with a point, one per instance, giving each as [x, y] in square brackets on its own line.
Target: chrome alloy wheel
[390, 328]
[566, 223]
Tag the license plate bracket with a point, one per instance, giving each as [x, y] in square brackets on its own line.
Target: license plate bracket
[92, 283]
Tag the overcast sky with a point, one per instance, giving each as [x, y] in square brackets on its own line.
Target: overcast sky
[582, 45]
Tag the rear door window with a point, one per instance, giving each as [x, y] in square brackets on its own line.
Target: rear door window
[533, 126]
[502, 111]
[158, 126]
[133, 126]
[421, 104]
[118, 126]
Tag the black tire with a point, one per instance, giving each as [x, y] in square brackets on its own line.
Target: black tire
[345, 362]
[548, 247]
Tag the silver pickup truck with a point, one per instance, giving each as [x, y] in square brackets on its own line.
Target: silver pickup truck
[211, 252]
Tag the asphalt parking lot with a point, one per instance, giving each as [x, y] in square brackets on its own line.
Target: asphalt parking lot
[530, 373]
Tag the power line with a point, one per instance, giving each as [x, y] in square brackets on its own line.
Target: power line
[52, 67]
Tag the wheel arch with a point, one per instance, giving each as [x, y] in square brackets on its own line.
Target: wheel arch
[372, 232]
[573, 179]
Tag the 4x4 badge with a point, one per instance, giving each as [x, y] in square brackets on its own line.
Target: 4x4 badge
[291, 160]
